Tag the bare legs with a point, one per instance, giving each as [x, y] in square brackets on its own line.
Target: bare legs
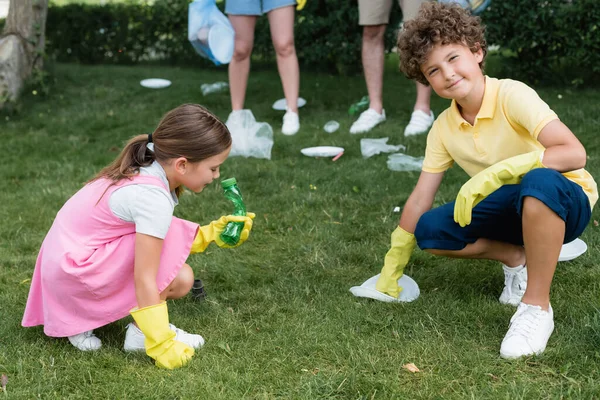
[181, 285]
[281, 21]
[373, 65]
[239, 67]
[543, 233]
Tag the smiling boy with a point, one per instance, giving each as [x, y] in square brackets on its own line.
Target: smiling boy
[528, 192]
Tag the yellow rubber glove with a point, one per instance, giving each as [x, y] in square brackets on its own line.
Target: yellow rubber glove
[403, 244]
[301, 4]
[160, 341]
[212, 232]
[507, 172]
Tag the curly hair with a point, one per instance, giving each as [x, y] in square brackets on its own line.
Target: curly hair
[437, 23]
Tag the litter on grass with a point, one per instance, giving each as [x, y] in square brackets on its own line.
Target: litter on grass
[155, 83]
[250, 138]
[371, 147]
[403, 162]
[331, 126]
[208, 88]
[281, 104]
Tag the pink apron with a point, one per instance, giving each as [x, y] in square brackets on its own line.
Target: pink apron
[83, 276]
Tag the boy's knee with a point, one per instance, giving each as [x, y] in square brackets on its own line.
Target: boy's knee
[426, 227]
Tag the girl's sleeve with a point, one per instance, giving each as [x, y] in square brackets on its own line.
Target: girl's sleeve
[148, 207]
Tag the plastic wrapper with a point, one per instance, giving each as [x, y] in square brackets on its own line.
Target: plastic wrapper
[250, 138]
[371, 147]
[404, 162]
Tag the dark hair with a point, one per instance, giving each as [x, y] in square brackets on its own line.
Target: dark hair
[437, 23]
[189, 131]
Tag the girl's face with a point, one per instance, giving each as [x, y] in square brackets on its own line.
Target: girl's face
[453, 71]
[198, 175]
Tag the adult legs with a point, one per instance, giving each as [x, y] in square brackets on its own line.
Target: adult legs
[281, 22]
[239, 67]
[373, 63]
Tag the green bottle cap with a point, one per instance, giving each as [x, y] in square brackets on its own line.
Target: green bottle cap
[228, 182]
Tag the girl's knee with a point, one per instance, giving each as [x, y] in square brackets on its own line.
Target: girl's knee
[182, 283]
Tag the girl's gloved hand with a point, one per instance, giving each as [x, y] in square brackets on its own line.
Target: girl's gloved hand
[160, 341]
[212, 232]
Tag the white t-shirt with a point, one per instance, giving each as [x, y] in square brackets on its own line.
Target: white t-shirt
[150, 207]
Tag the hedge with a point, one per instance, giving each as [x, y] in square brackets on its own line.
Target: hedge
[546, 40]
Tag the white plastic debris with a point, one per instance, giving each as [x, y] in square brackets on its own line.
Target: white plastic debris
[250, 138]
[208, 88]
[403, 162]
[331, 126]
[371, 147]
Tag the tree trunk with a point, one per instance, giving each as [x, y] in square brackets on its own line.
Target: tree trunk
[21, 45]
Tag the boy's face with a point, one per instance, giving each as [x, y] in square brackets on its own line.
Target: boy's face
[453, 71]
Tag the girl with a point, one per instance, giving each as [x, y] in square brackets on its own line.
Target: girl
[115, 244]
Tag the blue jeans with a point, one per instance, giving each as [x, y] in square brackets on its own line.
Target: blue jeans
[255, 7]
[498, 216]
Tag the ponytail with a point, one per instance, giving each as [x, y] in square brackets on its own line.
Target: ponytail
[136, 154]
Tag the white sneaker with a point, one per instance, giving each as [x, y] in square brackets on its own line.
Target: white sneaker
[528, 333]
[86, 341]
[368, 120]
[515, 283]
[420, 122]
[134, 338]
[291, 123]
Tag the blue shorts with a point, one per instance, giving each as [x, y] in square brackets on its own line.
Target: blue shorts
[498, 216]
[255, 7]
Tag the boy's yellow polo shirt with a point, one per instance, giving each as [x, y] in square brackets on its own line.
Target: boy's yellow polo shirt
[508, 124]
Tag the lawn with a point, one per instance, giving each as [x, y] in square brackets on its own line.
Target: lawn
[279, 320]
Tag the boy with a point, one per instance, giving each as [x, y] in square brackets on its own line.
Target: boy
[527, 188]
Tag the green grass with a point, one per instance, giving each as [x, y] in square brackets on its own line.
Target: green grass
[279, 319]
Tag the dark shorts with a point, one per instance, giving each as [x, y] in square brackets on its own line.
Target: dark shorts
[498, 216]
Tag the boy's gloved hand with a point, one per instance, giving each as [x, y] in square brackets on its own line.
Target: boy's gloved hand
[403, 244]
[212, 232]
[509, 171]
[160, 341]
[301, 4]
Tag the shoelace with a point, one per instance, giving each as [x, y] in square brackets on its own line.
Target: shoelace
[508, 280]
[525, 323]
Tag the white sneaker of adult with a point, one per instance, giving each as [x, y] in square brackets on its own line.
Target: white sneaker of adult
[291, 123]
[420, 122]
[86, 341]
[515, 283]
[528, 333]
[367, 120]
[134, 338]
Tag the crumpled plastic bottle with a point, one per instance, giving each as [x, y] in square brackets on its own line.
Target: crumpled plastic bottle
[359, 106]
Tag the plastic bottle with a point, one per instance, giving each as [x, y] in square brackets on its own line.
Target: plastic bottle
[233, 230]
[360, 106]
